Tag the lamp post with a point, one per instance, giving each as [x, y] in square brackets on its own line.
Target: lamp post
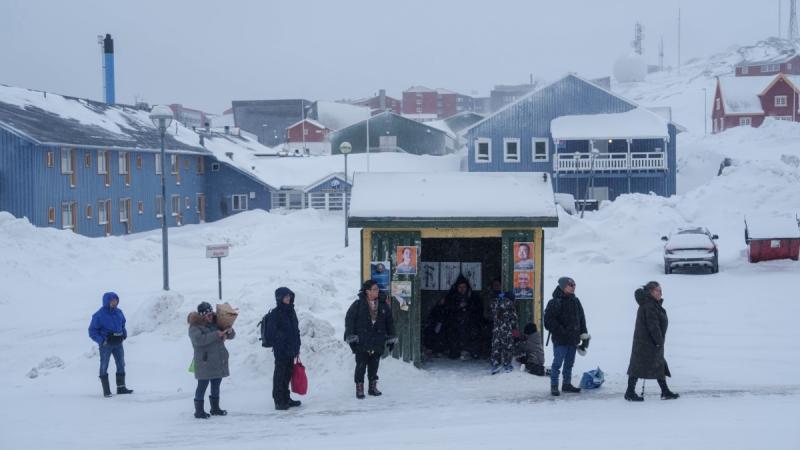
[161, 116]
[577, 158]
[345, 148]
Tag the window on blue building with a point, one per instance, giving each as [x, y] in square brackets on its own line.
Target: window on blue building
[239, 202]
[540, 151]
[157, 159]
[483, 151]
[511, 150]
[67, 166]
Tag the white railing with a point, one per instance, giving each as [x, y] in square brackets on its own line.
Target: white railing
[604, 162]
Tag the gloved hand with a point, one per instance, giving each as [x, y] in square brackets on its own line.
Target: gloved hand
[584, 345]
[351, 339]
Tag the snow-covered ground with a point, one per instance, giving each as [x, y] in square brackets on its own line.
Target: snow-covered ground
[731, 341]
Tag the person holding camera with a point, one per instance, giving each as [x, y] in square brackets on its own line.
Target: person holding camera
[369, 327]
[107, 329]
[210, 358]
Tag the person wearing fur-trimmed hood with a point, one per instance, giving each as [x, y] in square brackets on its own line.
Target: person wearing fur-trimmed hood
[210, 358]
[649, 335]
[286, 347]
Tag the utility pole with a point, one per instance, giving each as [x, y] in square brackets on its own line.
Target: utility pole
[793, 34]
[679, 41]
[661, 55]
[638, 38]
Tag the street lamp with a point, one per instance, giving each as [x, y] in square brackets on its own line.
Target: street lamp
[345, 148]
[161, 115]
[577, 157]
[705, 111]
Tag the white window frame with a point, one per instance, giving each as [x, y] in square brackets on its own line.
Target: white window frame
[123, 210]
[546, 158]
[174, 200]
[102, 165]
[174, 164]
[788, 66]
[66, 213]
[158, 163]
[745, 121]
[745, 70]
[66, 161]
[241, 198]
[102, 212]
[785, 118]
[784, 101]
[123, 163]
[159, 209]
[488, 158]
[507, 157]
[718, 103]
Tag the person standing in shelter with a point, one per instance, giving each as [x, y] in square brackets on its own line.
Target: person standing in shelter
[504, 314]
[283, 325]
[368, 328]
[107, 329]
[532, 353]
[649, 335]
[465, 319]
[210, 358]
[565, 320]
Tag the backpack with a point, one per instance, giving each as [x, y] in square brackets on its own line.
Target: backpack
[267, 332]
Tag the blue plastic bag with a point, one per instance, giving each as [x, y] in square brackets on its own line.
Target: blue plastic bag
[592, 379]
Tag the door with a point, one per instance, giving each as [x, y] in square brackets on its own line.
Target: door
[201, 207]
[383, 246]
[525, 304]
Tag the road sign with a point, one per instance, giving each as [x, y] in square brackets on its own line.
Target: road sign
[217, 250]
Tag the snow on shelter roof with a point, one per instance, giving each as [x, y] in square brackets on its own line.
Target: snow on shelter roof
[638, 123]
[740, 94]
[772, 228]
[471, 199]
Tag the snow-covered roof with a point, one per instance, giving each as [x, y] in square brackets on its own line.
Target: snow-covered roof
[638, 123]
[740, 94]
[335, 115]
[772, 228]
[445, 91]
[337, 175]
[524, 198]
[419, 89]
[48, 118]
[774, 59]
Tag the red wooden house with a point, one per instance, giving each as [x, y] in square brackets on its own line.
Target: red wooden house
[786, 64]
[747, 101]
[772, 238]
[307, 137]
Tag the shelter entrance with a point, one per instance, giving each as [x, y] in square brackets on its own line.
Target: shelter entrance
[456, 323]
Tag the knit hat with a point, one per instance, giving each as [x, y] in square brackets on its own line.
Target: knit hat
[204, 308]
[564, 281]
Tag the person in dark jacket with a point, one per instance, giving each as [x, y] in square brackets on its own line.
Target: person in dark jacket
[210, 358]
[368, 328]
[435, 332]
[504, 315]
[532, 353]
[107, 329]
[565, 320]
[286, 347]
[465, 313]
[649, 335]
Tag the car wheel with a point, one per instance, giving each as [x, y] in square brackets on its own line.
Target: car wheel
[667, 270]
[715, 267]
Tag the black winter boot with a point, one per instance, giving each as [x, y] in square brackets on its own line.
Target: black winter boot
[568, 387]
[199, 411]
[281, 406]
[294, 403]
[215, 411]
[106, 387]
[121, 389]
[666, 394]
[373, 388]
[630, 393]
[554, 390]
[359, 390]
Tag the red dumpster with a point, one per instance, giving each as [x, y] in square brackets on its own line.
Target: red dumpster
[770, 238]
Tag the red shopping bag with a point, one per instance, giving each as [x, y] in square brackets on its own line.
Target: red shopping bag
[299, 378]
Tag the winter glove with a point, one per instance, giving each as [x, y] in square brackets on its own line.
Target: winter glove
[351, 339]
[584, 345]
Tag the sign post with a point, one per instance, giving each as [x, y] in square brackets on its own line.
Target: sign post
[218, 251]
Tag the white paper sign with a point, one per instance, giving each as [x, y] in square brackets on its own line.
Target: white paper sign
[429, 275]
[217, 250]
[472, 271]
[448, 274]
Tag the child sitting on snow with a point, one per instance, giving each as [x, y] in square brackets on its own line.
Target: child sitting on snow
[531, 351]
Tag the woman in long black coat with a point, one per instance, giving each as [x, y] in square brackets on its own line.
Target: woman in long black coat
[368, 328]
[649, 335]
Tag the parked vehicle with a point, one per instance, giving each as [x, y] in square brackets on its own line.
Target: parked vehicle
[691, 248]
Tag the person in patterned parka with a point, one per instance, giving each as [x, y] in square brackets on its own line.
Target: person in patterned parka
[504, 316]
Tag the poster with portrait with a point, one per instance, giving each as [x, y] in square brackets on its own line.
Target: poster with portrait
[448, 274]
[401, 291]
[472, 272]
[429, 275]
[406, 260]
[523, 255]
[523, 284]
[379, 271]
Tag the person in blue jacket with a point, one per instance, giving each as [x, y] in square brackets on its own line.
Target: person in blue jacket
[107, 329]
[286, 347]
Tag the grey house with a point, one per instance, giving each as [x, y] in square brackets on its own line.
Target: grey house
[390, 132]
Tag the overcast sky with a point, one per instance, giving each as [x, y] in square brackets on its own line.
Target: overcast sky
[205, 54]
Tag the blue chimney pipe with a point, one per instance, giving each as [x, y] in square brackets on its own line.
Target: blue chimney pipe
[108, 65]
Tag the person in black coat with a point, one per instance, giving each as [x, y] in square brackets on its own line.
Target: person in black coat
[465, 312]
[286, 347]
[368, 327]
[565, 320]
[649, 335]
